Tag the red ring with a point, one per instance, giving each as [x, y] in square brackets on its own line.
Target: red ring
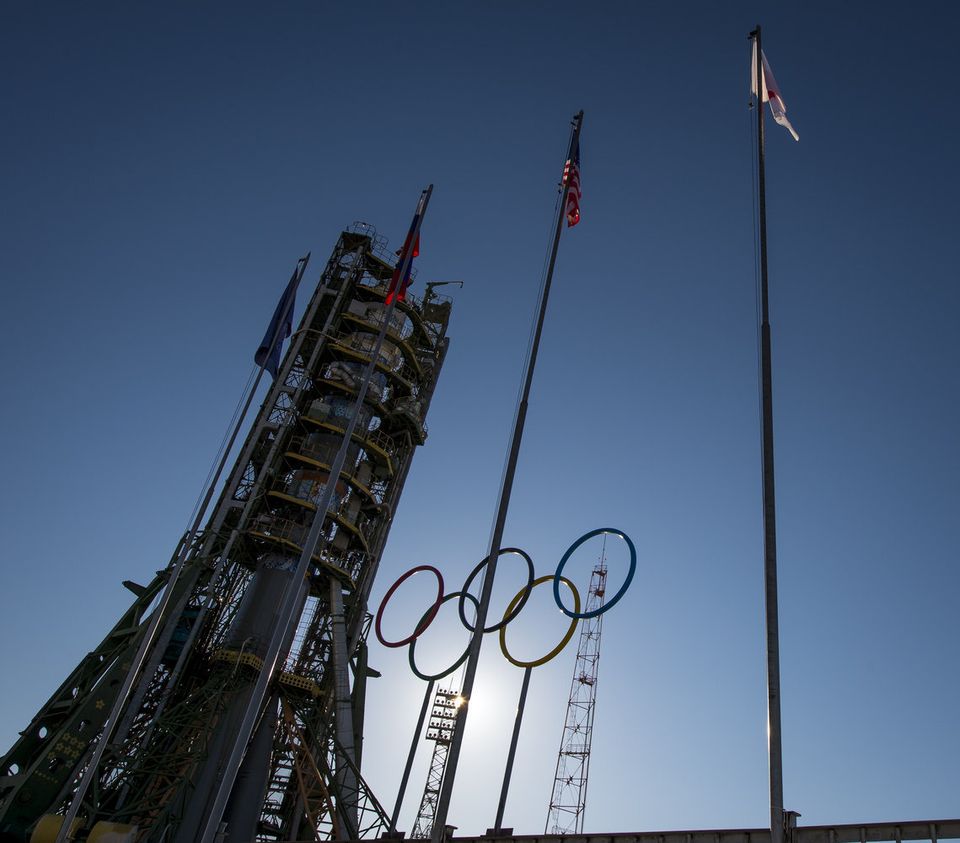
[425, 621]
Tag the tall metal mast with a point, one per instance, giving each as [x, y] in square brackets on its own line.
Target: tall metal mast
[569, 798]
[769, 505]
[503, 504]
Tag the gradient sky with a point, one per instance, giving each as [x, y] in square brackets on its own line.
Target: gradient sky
[163, 167]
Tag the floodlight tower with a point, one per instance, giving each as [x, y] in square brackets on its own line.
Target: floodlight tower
[439, 732]
[162, 775]
[569, 798]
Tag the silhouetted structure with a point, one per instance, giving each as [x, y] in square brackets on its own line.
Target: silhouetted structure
[300, 777]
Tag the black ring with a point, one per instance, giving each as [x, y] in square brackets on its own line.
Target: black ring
[413, 665]
[516, 609]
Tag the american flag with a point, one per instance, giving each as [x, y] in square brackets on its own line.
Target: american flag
[571, 176]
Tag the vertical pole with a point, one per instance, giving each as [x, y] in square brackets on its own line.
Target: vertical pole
[345, 777]
[769, 508]
[123, 695]
[508, 772]
[395, 817]
[446, 790]
[298, 585]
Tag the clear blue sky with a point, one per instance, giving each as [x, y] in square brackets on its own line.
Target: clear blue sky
[163, 167]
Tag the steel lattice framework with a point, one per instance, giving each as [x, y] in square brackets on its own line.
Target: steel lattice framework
[300, 778]
[439, 731]
[569, 797]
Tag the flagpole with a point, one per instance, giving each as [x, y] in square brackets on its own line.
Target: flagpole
[123, 694]
[296, 587]
[769, 508]
[453, 754]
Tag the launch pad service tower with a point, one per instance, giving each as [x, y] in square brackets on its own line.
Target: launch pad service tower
[165, 771]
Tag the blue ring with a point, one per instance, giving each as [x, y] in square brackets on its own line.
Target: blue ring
[616, 597]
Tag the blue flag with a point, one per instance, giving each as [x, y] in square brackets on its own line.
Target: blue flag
[280, 327]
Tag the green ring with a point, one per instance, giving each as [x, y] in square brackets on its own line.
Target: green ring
[426, 677]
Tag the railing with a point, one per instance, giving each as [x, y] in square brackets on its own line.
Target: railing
[344, 511]
[325, 456]
[350, 562]
[378, 241]
[399, 329]
[351, 340]
[411, 301]
[895, 832]
[339, 375]
[280, 528]
[374, 438]
[399, 341]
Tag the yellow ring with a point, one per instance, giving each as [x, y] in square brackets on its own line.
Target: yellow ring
[566, 638]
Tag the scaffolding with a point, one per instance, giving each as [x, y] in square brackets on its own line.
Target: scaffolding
[157, 778]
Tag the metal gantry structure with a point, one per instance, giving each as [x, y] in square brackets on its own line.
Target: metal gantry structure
[300, 776]
[569, 797]
[443, 717]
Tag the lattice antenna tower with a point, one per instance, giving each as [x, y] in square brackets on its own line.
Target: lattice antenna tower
[446, 704]
[569, 797]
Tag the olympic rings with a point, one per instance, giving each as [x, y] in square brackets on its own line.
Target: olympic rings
[425, 621]
[525, 591]
[563, 641]
[426, 677]
[513, 608]
[609, 604]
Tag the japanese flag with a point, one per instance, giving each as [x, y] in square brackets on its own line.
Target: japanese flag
[771, 92]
